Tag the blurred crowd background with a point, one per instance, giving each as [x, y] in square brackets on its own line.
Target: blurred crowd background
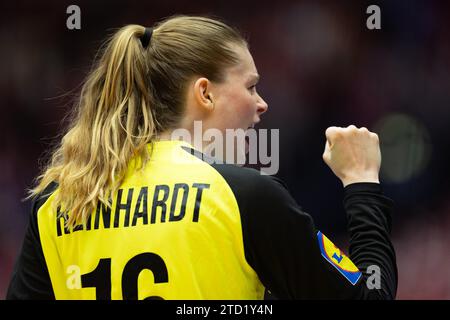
[320, 66]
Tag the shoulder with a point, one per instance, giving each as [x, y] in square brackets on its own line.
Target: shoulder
[42, 197]
[244, 182]
[250, 182]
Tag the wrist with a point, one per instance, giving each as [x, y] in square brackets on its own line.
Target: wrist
[370, 178]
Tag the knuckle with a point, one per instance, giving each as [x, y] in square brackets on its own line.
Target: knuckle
[330, 129]
[374, 136]
[351, 130]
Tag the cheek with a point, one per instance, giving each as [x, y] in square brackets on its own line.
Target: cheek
[237, 109]
[243, 107]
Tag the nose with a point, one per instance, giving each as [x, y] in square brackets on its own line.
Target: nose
[262, 106]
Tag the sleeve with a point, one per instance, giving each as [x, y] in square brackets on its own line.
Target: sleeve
[30, 279]
[293, 259]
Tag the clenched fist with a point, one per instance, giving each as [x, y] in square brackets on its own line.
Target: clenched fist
[353, 154]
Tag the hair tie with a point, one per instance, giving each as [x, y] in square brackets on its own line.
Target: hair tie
[145, 39]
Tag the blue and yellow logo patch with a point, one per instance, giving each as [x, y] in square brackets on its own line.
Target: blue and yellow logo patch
[339, 260]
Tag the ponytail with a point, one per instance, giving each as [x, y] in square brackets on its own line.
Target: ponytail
[114, 123]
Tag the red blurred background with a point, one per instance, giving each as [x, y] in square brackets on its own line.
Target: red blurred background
[320, 66]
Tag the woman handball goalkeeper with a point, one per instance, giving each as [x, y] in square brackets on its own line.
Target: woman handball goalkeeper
[124, 211]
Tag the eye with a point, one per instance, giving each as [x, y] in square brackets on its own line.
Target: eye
[252, 88]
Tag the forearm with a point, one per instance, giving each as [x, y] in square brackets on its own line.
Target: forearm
[369, 225]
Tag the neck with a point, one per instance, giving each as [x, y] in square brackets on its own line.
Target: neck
[191, 136]
[195, 139]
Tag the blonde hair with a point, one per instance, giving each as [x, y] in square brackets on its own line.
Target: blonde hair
[131, 95]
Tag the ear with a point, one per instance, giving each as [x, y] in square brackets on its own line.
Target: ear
[203, 95]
